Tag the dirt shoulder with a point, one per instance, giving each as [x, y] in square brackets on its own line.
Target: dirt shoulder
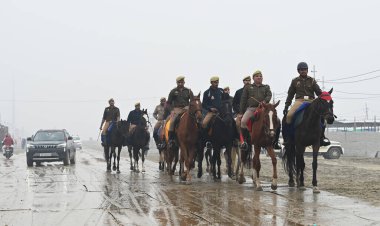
[347, 176]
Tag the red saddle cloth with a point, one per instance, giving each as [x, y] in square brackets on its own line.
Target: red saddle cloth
[256, 115]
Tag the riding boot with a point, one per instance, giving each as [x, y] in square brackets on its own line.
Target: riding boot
[171, 138]
[324, 141]
[104, 140]
[276, 144]
[246, 138]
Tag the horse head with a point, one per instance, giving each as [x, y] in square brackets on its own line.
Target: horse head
[123, 126]
[270, 119]
[326, 106]
[195, 107]
[226, 106]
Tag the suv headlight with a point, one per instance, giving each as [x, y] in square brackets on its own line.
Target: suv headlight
[63, 145]
[30, 146]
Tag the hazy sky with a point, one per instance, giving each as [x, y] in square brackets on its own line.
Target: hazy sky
[67, 58]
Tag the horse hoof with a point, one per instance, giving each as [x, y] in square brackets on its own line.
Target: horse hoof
[273, 186]
[302, 188]
[316, 190]
[291, 184]
[241, 179]
[199, 175]
[114, 168]
[143, 171]
[137, 171]
[259, 188]
[131, 168]
[118, 171]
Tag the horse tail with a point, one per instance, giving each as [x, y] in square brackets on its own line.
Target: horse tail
[289, 158]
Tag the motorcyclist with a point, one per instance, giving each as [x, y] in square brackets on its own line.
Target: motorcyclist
[7, 142]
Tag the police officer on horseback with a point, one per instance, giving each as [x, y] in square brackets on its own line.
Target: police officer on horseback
[158, 114]
[134, 118]
[178, 102]
[111, 114]
[303, 88]
[212, 100]
[252, 96]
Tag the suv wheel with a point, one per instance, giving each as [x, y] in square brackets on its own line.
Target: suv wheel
[333, 153]
[66, 158]
[29, 161]
[73, 159]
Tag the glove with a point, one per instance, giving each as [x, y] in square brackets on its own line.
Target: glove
[285, 112]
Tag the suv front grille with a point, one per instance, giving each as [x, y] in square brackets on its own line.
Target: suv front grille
[45, 146]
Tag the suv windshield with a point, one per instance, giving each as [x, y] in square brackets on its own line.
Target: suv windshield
[49, 136]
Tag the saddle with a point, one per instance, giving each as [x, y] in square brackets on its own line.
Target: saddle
[288, 130]
[251, 120]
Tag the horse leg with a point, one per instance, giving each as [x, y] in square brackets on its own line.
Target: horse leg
[229, 161]
[130, 157]
[243, 159]
[290, 162]
[107, 156]
[256, 167]
[142, 161]
[136, 158]
[274, 165]
[299, 176]
[118, 159]
[200, 160]
[315, 167]
[219, 162]
[113, 154]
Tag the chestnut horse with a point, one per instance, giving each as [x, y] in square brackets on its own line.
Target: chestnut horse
[262, 136]
[307, 133]
[187, 134]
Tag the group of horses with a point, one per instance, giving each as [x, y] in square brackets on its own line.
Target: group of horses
[194, 143]
[136, 140]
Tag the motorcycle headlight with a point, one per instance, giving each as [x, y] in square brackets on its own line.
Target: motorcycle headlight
[63, 145]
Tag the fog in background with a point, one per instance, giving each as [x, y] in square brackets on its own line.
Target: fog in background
[60, 61]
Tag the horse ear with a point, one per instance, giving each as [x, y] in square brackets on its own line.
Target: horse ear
[191, 95]
[331, 90]
[278, 102]
[199, 95]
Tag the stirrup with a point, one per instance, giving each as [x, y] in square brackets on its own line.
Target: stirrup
[276, 145]
[244, 146]
[208, 145]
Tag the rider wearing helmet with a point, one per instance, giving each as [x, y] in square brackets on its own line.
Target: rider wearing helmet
[303, 88]
[111, 113]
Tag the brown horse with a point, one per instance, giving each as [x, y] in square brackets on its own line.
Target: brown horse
[262, 136]
[188, 136]
[168, 154]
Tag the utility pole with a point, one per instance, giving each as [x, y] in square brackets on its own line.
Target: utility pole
[13, 105]
[323, 82]
[274, 97]
[313, 71]
[366, 112]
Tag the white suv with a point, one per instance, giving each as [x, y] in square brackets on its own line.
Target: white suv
[333, 151]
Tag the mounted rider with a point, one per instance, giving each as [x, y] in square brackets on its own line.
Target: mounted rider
[7, 142]
[253, 95]
[158, 114]
[133, 119]
[212, 101]
[111, 114]
[303, 88]
[178, 102]
[236, 102]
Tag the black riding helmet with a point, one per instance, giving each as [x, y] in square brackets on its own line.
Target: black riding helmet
[302, 65]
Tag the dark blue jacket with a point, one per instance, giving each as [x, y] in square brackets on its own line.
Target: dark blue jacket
[212, 98]
[134, 116]
[236, 100]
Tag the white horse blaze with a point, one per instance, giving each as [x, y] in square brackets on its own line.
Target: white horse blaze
[270, 120]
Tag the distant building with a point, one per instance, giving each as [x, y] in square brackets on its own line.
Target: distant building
[355, 126]
[3, 131]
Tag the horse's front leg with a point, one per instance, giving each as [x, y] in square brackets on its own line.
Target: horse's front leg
[142, 161]
[130, 157]
[300, 165]
[274, 165]
[256, 168]
[243, 159]
[200, 160]
[315, 167]
[219, 162]
[113, 154]
[136, 158]
[107, 157]
[229, 160]
[118, 159]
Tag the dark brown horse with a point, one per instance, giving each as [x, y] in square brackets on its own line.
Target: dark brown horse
[188, 136]
[307, 133]
[262, 136]
[168, 154]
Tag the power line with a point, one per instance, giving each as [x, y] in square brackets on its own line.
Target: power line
[365, 79]
[369, 94]
[355, 76]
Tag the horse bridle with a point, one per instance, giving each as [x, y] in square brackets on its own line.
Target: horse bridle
[324, 114]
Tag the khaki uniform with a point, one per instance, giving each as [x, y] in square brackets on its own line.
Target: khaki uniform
[110, 114]
[250, 100]
[303, 89]
[158, 114]
[179, 100]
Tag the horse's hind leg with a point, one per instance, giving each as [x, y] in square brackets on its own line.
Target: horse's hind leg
[300, 165]
[274, 165]
[130, 157]
[107, 156]
[113, 153]
[200, 160]
[219, 162]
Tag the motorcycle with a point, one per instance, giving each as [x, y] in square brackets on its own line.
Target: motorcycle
[8, 151]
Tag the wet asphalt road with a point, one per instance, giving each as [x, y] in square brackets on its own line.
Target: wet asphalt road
[85, 194]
